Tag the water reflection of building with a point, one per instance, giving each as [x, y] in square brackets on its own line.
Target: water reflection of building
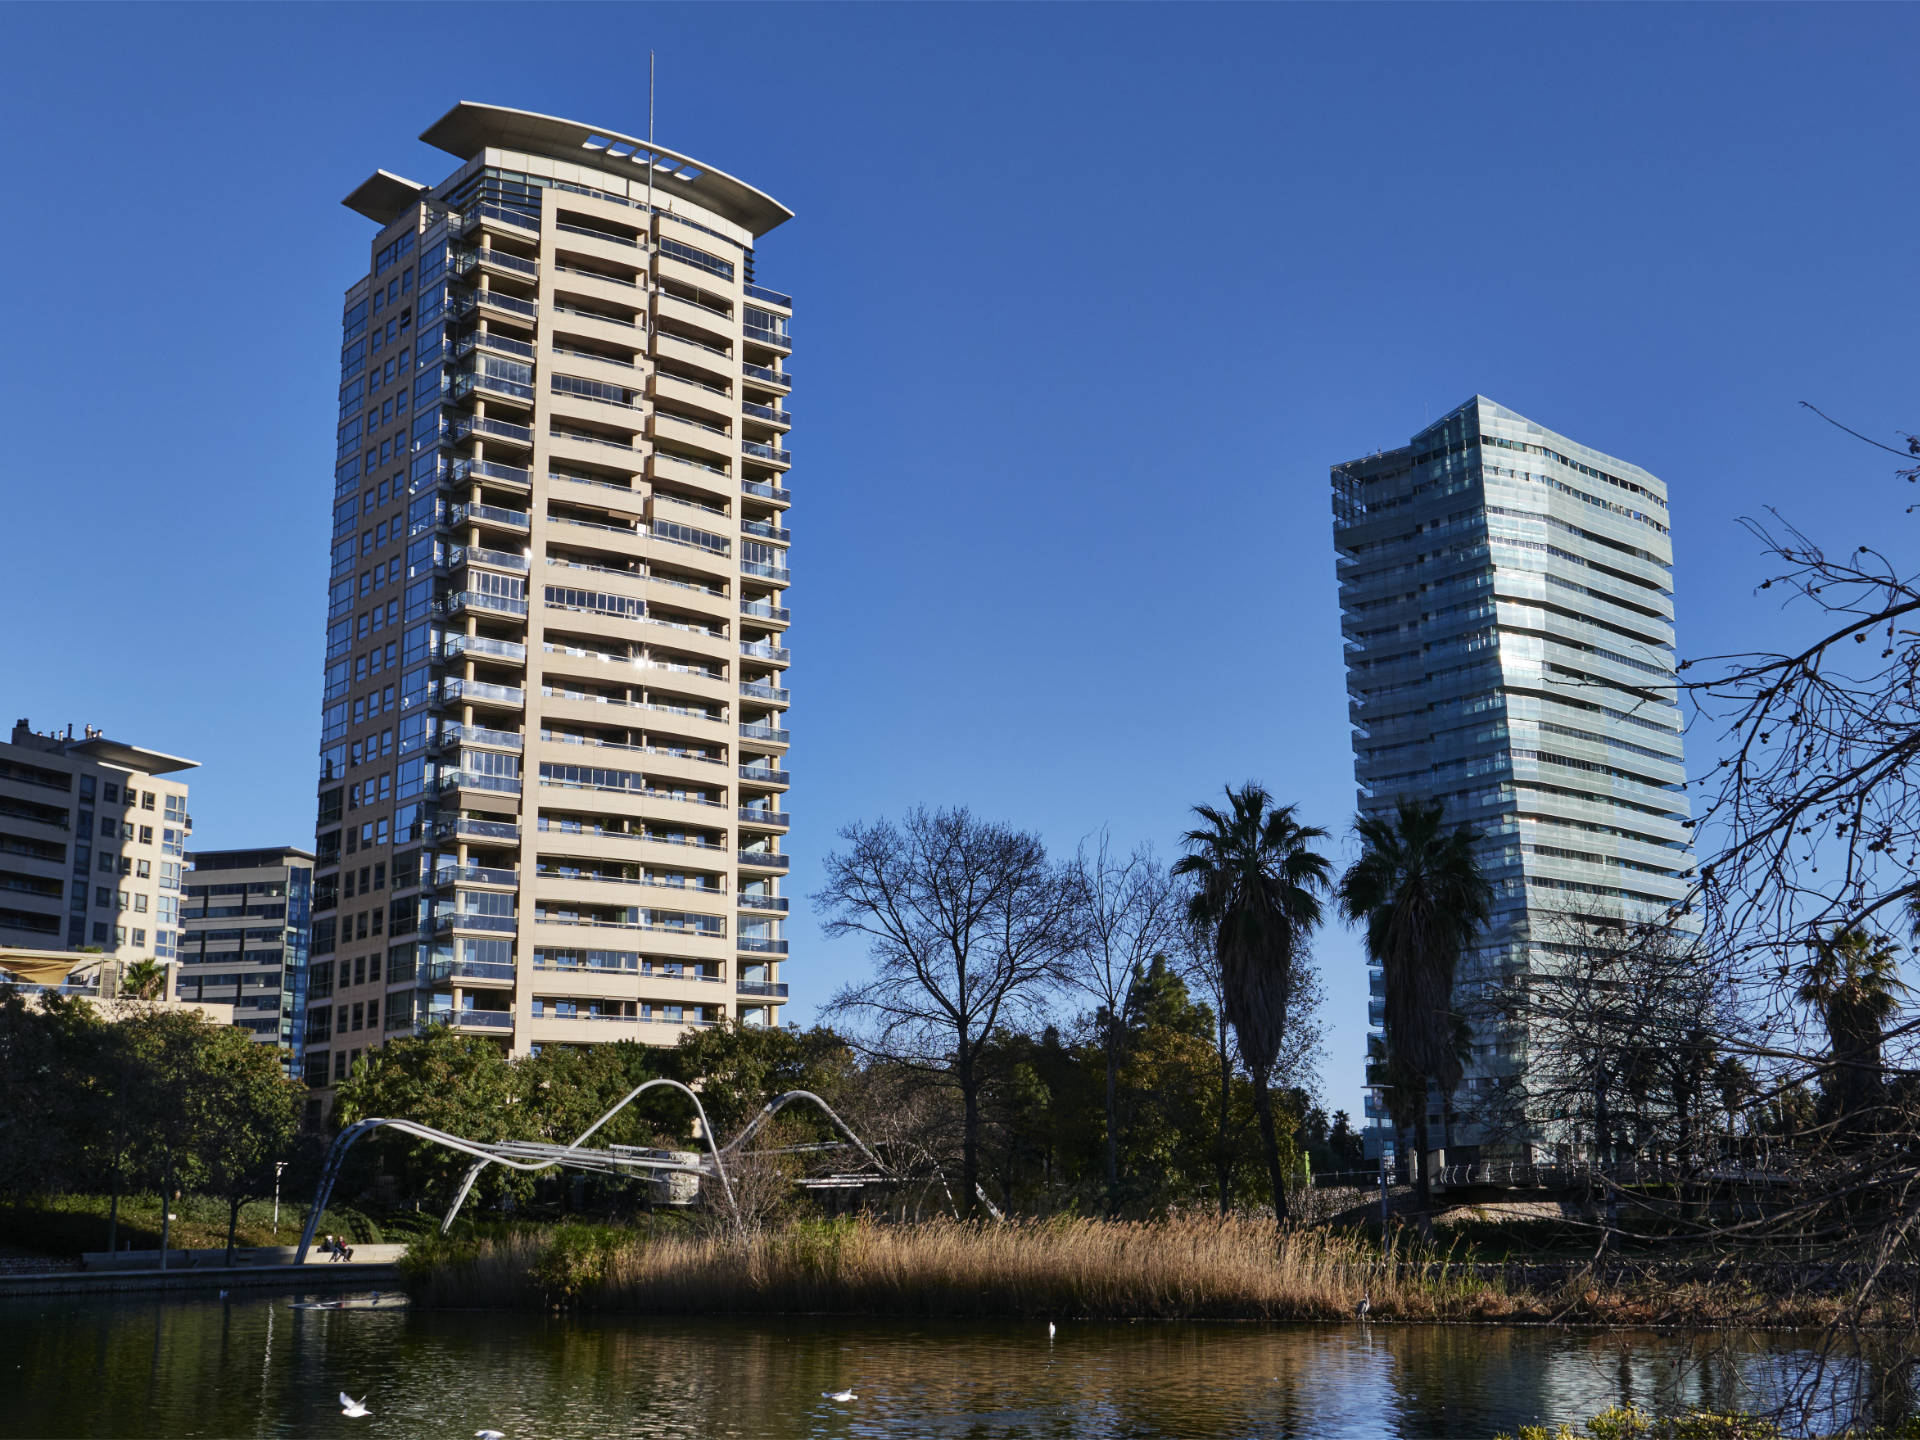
[1507, 601]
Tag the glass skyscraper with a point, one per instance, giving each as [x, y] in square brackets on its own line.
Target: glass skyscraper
[1507, 601]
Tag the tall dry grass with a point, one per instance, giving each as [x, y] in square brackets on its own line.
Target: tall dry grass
[1173, 1269]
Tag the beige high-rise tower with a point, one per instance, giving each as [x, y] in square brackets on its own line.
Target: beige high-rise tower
[553, 759]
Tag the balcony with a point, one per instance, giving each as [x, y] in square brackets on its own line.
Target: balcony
[492, 340]
[474, 214]
[760, 610]
[468, 383]
[509, 650]
[772, 819]
[479, 692]
[754, 690]
[772, 338]
[465, 600]
[491, 832]
[766, 413]
[472, 300]
[767, 530]
[762, 650]
[763, 491]
[772, 454]
[465, 261]
[764, 775]
[771, 297]
[453, 734]
[459, 556]
[771, 989]
[466, 920]
[476, 970]
[473, 780]
[475, 1019]
[778, 574]
[475, 875]
[592, 234]
[473, 427]
[753, 945]
[489, 515]
[777, 904]
[467, 471]
[773, 735]
[763, 375]
[762, 859]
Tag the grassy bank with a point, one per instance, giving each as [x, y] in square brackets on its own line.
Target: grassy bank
[64, 1226]
[1174, 1269]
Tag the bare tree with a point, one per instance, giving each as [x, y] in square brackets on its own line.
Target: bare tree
[968, 924]
[1129, 914]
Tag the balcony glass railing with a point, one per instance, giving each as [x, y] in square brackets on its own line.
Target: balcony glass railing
[503, 260]
[755, 690]
[767, 337]
[766, 572]
[475, 1019]
[591, 234]
[485, 645]
[766, 530]
[459, 555]
[475, 213]
[452, 733]
[764, 859]
[464, 828]
[772, 734]
[696, 344]
[475, 600]
[467, 382]
[489, 515]
[772, 297]
[765, 491]
[771, 453]
[602, 316]
[594, 275]
[754, 945]
[773, 989]
[768, 376]
[472, 780]
[479, 970]
[480, 690]
[465, 471]
[473, 875]
[469, 426]
[761, 610]
[490, 340]
[765, 412]
[775, 903]
[756, 815]
[761, 650]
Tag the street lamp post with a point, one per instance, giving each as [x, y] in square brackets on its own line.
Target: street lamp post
[278, 1167]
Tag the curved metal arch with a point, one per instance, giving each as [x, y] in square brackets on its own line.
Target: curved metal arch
[780, 1102]
[486, 1155]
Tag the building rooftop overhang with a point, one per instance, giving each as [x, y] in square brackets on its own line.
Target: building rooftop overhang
[470, 128]
[131, 757]
[383, 197]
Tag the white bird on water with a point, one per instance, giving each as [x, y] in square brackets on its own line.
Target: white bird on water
[355, 1408]
[489, 1435]
[1049, 1329]
[839, 1397]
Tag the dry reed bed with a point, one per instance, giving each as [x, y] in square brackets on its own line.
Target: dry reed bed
[1183, 1269]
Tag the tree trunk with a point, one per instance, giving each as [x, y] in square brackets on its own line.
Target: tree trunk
[113, 1206]
[1270, 1142]
[1113, 1120]
[1222, 1157]
[166, 1208]
[1423, 1170]
[233, 1222]
[969, 1136]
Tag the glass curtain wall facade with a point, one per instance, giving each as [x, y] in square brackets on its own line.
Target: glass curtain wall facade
[552, 767]
[1507, 602]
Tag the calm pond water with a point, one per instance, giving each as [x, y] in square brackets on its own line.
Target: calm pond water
[131, 1366]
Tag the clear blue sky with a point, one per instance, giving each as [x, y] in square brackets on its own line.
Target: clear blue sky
[1089, 298]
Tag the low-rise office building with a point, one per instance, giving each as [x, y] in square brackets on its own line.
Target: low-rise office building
[93, 836]
[243, 941]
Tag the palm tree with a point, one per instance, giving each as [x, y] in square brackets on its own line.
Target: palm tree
[1256, 892]
[1852, 981]
[1418, 889]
